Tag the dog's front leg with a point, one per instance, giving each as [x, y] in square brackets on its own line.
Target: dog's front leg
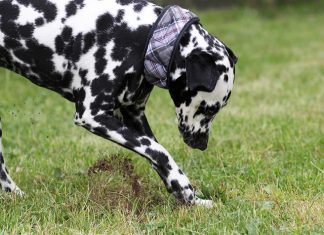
[111, 128]
[134, 116]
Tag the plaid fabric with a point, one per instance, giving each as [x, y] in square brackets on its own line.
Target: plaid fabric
[164, 39]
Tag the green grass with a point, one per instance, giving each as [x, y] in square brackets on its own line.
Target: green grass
[264, 166]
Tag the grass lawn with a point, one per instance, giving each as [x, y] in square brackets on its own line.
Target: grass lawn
[264, 166]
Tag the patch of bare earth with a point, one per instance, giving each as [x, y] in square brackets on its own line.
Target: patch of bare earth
[114, 185]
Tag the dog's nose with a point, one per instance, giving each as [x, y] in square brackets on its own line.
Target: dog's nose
[201, 145]
[198, 141]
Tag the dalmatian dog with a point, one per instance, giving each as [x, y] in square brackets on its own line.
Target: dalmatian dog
[106, 56]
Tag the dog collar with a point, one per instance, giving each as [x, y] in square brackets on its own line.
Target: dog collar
[163, 39]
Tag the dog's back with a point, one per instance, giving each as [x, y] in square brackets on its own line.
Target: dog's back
[51, 42]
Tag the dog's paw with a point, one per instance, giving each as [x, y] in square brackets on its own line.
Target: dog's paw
[18, 192]
[206, 203]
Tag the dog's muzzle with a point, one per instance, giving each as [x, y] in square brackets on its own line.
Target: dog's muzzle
[196, 140]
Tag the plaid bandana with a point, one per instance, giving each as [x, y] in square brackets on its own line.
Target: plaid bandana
[163, 39]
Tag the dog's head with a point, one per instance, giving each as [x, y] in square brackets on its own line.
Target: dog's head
[202, 77]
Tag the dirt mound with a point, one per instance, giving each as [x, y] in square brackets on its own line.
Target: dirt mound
[114, 184]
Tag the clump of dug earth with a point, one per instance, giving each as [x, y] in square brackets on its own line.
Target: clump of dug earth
[115, 185]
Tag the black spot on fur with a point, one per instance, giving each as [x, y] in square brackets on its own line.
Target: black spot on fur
[47, 8]
[67, 33]
[145, 142]
[39, 21]
[120, 16]
[71, 9]
[79, 97]
[8, 11]
[162, 161]
[89, 41]
[44, 54]
[7, 189]
[99, 84]
[138, 7]
[104, 22]
[59, 45]
[185, 39]
[1, 158]
[80, 3]
[176, 186]
[67, 78]
[103, 38]
[179, 93]
[101, 62]
[83, 75]
[226, 78]
[122, 42]
[222, 69]
[77, 48]
[103, 102]
[23, 2]
[3, 175]
[12, 43]
[157, 11]
[26, 31]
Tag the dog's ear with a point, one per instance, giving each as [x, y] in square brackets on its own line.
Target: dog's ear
[202, 73]
[232, 55]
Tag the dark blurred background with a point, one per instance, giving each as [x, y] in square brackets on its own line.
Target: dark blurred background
[204, 4]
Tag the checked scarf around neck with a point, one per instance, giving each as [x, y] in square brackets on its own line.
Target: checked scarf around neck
[163, 39]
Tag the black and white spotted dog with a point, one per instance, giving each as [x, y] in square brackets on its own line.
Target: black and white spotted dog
[91, 52]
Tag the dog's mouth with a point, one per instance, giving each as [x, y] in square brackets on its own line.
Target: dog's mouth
[196, 140]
